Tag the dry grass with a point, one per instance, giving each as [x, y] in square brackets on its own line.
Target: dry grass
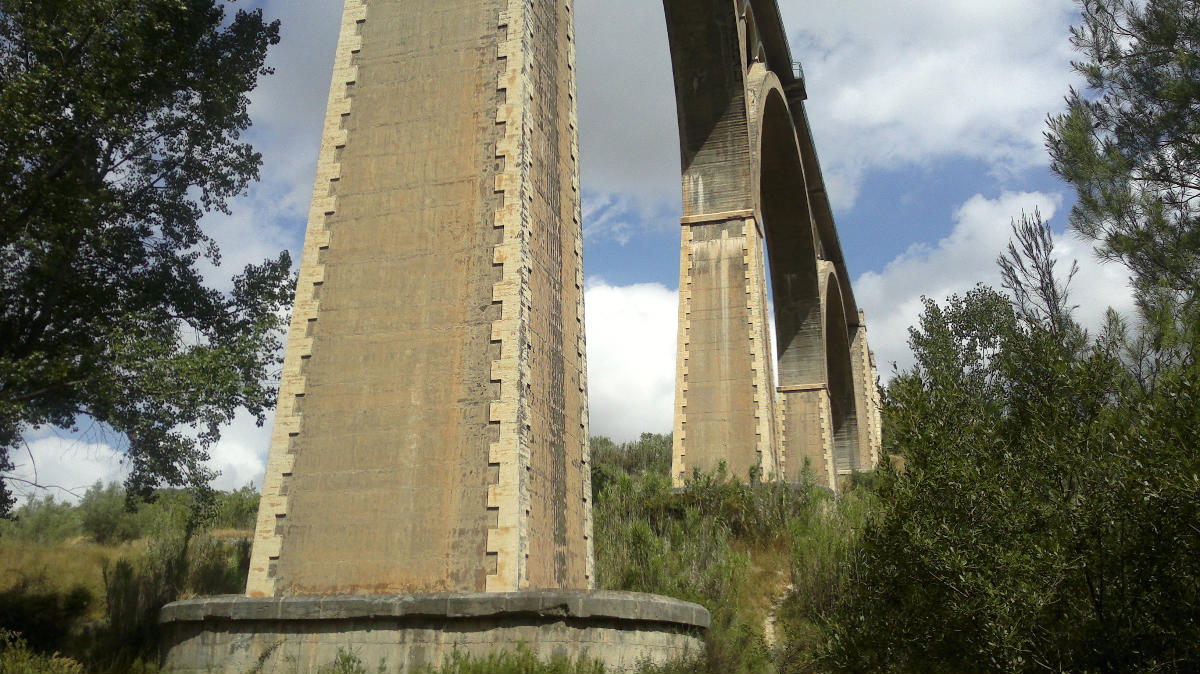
[63, 566]
[229, 535]
[769, 575]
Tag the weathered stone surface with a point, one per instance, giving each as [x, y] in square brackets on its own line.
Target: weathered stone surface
[431, 433]
[403, 633]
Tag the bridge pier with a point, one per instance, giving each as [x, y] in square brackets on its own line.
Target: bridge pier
[725, 382]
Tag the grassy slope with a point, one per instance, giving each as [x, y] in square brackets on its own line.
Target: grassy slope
[62, 590]
[739, 549]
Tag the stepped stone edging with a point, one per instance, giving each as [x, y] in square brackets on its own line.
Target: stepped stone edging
[404, 632]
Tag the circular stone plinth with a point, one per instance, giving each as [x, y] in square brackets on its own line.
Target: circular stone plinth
[400, 633]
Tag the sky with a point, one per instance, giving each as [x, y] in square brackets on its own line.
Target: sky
[928, 119]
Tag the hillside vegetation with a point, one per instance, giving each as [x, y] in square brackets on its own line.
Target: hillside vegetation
[87, 581]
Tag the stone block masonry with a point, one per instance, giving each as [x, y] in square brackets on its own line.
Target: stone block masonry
[724, 402]
[431, 433]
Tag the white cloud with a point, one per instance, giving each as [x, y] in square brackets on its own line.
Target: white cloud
[288, 110]
[892, 298]
[241, 454]
[629, 137]
[607, 216]
[631, 334]
[67, 464]
[892, 84]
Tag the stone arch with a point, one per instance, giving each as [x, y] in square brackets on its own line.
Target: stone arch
[843, 411]
[752, 194]
[783, 208]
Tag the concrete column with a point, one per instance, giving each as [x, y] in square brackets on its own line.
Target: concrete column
[724, 394]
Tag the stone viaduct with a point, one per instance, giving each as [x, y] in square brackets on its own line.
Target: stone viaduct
[750, 175]
[428, 482]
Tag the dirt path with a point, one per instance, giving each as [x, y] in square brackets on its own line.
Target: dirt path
[770, 635]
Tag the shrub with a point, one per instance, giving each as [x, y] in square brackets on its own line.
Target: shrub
[707, 543]
[520, 661]
[106, 515]
[177, 564]
[16, 657]
[43, 521]
[237, 509]
[346, 662]
[46, 616]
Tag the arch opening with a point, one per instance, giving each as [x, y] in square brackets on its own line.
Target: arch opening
[791, 250]
[842, 404]
[754, 46]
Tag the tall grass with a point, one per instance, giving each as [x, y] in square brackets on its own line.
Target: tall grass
[16, 657]
[822, 556]
[740, 547]
[99, 603]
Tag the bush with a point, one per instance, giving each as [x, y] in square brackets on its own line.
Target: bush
[719, 542]
[43, 521]
[346, 662]
[106, 515]
[16, 657]
[1046, 516]
[237, 509]
[176, 566]
[46, 616]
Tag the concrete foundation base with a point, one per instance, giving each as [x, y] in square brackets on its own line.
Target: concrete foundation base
[404, 633]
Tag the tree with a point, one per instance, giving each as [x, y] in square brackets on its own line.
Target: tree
[1047, 517]
[120, 124]
[1130, 145]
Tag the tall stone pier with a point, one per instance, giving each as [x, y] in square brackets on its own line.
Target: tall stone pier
[428, 486]
[432, 417]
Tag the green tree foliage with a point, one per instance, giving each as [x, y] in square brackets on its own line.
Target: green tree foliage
[237, 509]
[120, 124]
[1130, 145]
[104, 517]
[1046, 519]
[43, 521]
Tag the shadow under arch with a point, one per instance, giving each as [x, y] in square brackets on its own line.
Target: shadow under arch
[791, 245]
[842, 399]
